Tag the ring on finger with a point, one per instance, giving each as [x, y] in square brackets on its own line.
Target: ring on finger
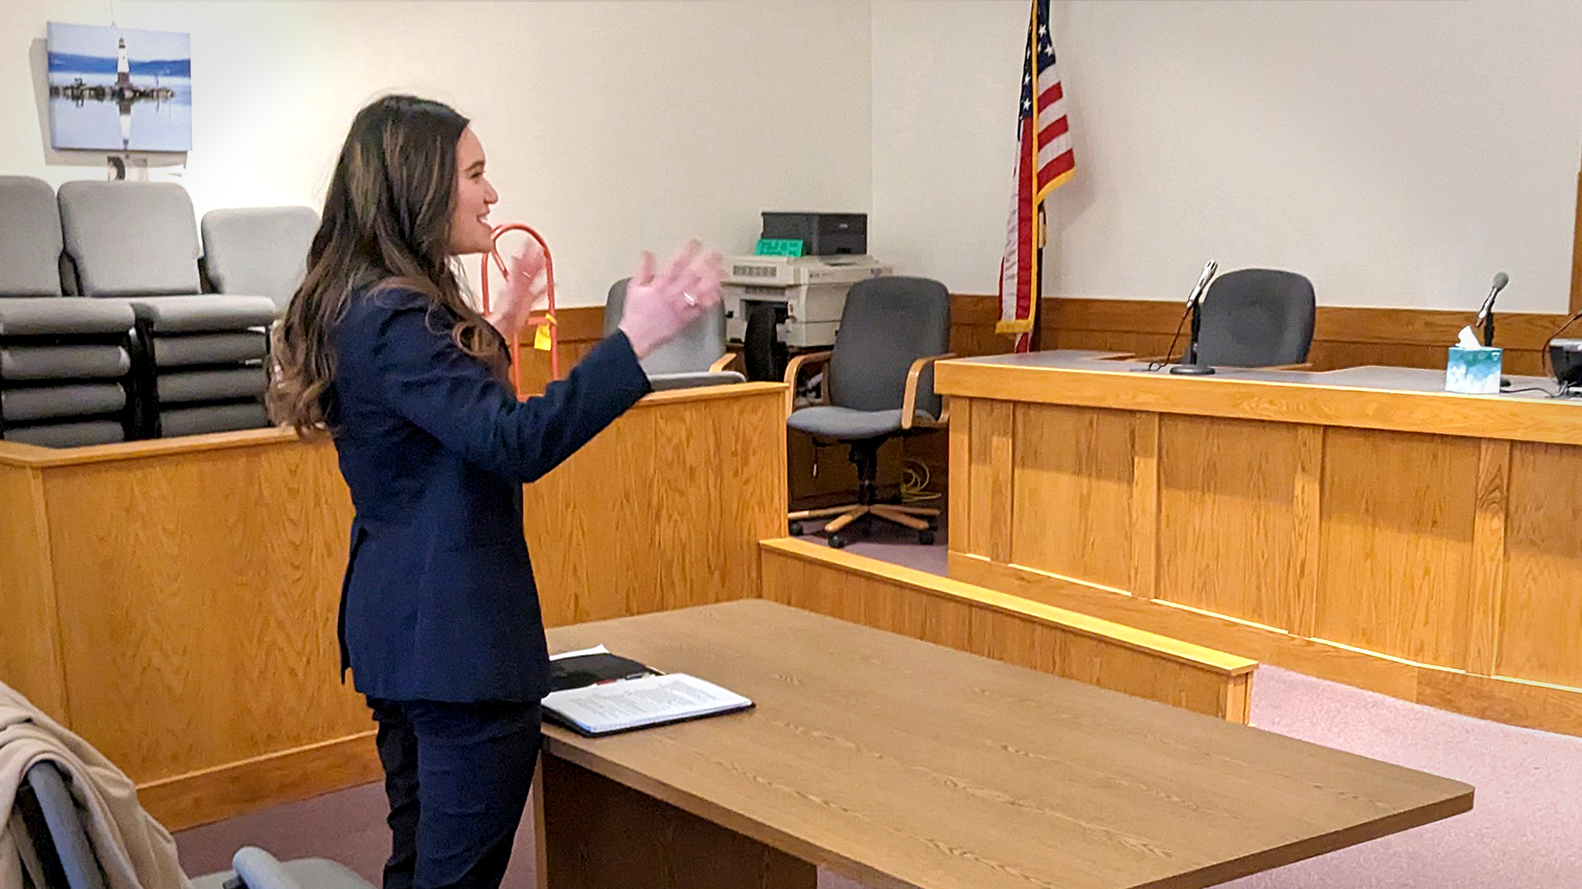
[690, 299]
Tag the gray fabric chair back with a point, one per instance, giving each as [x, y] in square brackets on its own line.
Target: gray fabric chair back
[130, 238]
[258, 251]
[30, 240]
[693, 349]
[887, 324]
[1257, 318]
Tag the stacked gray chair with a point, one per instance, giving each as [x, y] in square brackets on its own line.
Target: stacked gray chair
[62, 847]
[258, 251]
[64, 361]
[1257, 318]
[695, 357]
[879, 385]
[205, 354]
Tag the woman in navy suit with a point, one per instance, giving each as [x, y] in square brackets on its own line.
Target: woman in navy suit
[440, 621]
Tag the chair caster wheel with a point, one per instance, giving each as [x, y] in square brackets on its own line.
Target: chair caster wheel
[837, 542]
[926, 537]
[796, 529]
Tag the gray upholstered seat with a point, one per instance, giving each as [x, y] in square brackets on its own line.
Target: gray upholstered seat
[200, 419]
[200, 346]
[1257, 318]
[65, 368]
[63, 316]
[69, 435]
[207, 313]
[689, 359]
[62, 403]
[846, 424]
[222, 383]
[51, 362]
[258, 251]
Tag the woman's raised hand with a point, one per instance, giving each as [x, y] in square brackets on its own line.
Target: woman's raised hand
[660, 304]
[526, 289]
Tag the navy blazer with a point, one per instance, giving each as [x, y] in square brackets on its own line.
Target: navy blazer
[438, 602]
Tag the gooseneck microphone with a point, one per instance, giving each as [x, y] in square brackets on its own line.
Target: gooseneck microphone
[1190, 364]
[1202, 282]
[1486, 312]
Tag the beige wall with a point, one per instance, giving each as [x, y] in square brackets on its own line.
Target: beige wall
[610, 126]
[1398, 153]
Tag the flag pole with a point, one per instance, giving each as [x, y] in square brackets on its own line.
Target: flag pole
[1035, 339]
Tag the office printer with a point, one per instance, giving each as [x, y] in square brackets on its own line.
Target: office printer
[805, 293]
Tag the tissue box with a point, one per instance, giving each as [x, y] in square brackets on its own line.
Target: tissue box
[1473, 371]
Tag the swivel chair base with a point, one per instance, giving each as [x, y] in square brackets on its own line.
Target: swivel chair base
[921, 519]
[864, 454]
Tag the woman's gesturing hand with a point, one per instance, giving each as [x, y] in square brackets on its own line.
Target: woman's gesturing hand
[659, 305]
[526, 289]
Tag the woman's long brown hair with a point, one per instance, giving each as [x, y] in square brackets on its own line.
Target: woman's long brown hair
[386, 224]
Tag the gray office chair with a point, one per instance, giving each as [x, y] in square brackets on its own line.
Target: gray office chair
[65, 851]
[65, 362]
[1257, 318]
[258, 251]
[878, 385]
[204, 354]
[696, 357]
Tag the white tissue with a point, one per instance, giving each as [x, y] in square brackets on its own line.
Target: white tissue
[1467, 339]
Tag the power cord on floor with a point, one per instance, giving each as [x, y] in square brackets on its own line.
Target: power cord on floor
[914, 483]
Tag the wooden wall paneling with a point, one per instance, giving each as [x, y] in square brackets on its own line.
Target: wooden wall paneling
[181, 654]
[1307, 529]
[1397, 544]
[1343, 336]
[996, 625]
[751, 464]
[1514, 702]
[1225, 516]
[989, 450]
[1072, 476]
[959, 527]
[214, 794]
[1219, 633]
[1145, 504]
[1539, 622]
[825, 476]
[703, 481]
[1487, 583]
[581, 328]
[30, 649]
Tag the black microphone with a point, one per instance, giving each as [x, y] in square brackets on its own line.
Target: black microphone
[1202, 282]
[1486, 312]
[1190, 365]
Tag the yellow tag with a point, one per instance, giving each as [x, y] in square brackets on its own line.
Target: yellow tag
[541, 338]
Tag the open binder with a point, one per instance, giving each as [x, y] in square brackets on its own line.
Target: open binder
[594, 692]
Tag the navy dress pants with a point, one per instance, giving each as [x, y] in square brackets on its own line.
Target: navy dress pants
[457, 776]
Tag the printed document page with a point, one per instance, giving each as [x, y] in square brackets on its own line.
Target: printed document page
[633, 703]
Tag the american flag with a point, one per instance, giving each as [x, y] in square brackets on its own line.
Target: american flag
[1043, 163]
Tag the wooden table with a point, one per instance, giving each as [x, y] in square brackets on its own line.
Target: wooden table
[1361, 524]
[904, 764]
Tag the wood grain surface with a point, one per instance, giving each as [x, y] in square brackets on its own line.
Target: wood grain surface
[1007, 628]
[903, 764]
